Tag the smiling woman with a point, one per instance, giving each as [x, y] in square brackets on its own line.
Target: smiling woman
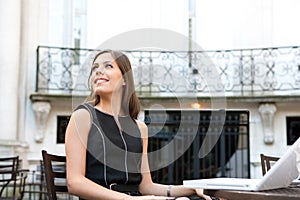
[106, 76]
[106, 146]
[113, 70]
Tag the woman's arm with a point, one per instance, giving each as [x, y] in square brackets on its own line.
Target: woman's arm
[76, 143]
[150, 188]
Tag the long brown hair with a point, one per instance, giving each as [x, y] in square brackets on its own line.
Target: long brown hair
[130, 103]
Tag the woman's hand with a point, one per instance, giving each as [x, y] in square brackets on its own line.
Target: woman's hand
[200, 193]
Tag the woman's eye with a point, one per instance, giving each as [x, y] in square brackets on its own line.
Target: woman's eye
[108, 66]
[94, 68]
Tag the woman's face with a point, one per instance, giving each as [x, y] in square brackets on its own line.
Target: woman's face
[106, 75]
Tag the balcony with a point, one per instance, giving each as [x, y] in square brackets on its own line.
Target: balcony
[261, 74]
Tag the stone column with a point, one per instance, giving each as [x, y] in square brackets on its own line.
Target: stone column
[10, 27]
[267, 112]
[35, 22]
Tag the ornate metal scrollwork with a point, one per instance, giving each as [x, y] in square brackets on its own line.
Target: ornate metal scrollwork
[246, 72]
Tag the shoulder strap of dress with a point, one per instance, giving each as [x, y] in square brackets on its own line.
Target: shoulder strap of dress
[91, 110]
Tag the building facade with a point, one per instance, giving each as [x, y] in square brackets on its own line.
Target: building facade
[29, 117]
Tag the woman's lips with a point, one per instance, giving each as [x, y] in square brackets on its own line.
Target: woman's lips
[100, 80]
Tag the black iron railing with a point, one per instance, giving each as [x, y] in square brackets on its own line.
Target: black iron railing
[246, 72]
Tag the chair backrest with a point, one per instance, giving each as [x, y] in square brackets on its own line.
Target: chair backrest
[266, 162]
[55, 174]
[8, 173]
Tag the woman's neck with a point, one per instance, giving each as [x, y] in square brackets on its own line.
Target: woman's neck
[109, 107]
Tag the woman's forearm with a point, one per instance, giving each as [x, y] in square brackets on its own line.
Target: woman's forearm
[162, 190]
[179, 190]
[87, 189]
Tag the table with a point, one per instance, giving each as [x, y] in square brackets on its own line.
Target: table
[278, 194]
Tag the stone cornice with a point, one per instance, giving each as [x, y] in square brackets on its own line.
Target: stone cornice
[264, 98]
[13, 143]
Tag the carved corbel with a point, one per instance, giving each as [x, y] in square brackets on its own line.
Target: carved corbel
[267, 112]
[41, 113]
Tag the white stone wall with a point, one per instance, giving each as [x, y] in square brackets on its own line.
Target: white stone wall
[30, 23]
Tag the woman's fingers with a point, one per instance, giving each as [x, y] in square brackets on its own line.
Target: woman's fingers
[200, 194]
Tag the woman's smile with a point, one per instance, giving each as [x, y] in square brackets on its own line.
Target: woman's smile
[99, 81]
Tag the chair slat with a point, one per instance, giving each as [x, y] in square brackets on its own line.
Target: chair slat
[9, 171]
[266, 162]
[54, 166]
[59, 174]
[61, 188]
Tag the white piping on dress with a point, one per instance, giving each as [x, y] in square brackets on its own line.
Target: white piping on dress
[104, 152]
[100, 131]
[126, 168]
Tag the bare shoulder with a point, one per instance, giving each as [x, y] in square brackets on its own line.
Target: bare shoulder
[81, 113]
[81, 118]
[141, 124]
[143, 128]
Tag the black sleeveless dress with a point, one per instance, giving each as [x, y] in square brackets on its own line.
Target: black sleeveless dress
[114, 156]
[114, 153]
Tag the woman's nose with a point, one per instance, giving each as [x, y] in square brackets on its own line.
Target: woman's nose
[100, 70]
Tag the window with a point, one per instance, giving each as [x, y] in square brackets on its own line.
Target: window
[62, 123]
[292, 129]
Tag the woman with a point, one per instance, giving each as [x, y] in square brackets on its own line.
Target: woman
[106, 147]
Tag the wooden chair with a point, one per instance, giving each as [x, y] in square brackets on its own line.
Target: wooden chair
[266, 162]
[8, 173]
[12, 178]
[55, 174]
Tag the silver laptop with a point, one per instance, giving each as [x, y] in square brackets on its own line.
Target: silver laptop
[282, 174]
